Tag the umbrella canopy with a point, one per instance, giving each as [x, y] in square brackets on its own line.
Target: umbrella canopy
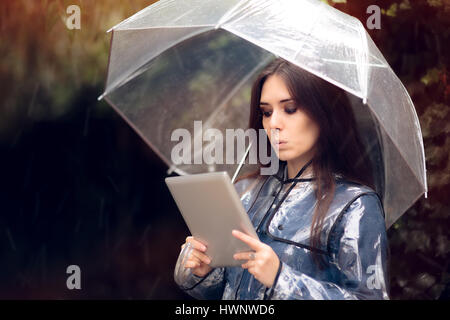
[176, 62]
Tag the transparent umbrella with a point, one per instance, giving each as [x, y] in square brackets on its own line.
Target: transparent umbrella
[179, 61]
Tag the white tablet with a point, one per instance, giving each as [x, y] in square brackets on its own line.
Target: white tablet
[211, 209]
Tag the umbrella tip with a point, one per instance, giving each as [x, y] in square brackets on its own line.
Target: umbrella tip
[100, 97]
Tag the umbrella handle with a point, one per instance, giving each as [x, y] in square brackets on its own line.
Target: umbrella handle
[241, 163]
[181, 273]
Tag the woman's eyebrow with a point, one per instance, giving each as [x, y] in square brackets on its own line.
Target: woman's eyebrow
[281, 101]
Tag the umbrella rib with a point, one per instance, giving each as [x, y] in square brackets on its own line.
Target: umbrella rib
[107, 69]
[364, 61]
[245, 12]
[319, 8]
[137, 14]
[421, 137]
[142, 68]
[168, 27]
[353, 62]
[228, 15]
[388, 220]
[397, 148]
[288, 58]
[409, 207]
[139, 132]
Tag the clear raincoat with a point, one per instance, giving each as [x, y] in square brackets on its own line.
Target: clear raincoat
[353, 242]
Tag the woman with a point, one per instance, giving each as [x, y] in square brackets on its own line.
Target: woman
[334, 248]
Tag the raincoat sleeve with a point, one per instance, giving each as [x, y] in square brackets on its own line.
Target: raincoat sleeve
[210, 286]
[358, 256]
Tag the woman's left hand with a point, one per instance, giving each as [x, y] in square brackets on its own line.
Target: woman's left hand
[265, 264]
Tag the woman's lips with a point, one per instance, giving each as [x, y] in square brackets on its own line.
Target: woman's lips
[280, 143]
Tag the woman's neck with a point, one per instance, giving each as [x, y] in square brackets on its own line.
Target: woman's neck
[294, 166]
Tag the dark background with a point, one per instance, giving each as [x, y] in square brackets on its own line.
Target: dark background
[78, 186]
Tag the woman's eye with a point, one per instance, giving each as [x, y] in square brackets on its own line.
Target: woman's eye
[266, 113]
[290, 110]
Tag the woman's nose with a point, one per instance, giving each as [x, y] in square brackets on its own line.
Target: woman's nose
[275, 120]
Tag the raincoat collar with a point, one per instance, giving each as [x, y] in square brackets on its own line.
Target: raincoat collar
[282, 174]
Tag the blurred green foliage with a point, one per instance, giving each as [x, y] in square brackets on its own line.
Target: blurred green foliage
[44, 64]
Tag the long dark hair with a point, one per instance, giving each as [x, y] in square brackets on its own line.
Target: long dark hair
[339, 147]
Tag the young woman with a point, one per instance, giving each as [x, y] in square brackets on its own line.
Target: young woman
[320, 223]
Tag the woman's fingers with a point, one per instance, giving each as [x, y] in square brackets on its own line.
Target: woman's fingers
[253, 243]
[247, 255]
[197, 258]
[244, 255]
[201, 256]
[250, 265]
[198, 249]
[196, 244]
[191, 264]
[193, 261]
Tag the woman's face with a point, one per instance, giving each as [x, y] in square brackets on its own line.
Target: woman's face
[296, 132]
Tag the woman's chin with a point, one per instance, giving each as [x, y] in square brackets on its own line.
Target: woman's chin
[283, 156]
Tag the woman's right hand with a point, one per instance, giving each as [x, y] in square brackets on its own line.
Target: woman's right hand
[198, 261]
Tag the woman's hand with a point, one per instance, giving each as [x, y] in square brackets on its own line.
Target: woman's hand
[265, 262]
[198, 261]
